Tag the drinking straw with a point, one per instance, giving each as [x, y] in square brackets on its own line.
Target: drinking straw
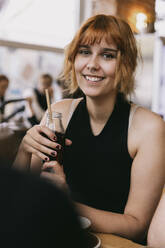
[48, 104]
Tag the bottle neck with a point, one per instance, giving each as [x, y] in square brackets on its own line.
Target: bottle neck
[55, 123]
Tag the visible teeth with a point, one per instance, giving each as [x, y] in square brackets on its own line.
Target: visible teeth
[93, 79]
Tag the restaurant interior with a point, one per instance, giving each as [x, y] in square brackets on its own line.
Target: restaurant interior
[33, 36]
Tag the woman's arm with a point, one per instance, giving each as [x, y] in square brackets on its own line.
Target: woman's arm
[23, 159]
[147, 180]
[156, 237]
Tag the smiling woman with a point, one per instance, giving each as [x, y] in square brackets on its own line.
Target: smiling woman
[113, 148]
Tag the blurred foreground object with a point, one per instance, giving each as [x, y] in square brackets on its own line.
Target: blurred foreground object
[35, 214]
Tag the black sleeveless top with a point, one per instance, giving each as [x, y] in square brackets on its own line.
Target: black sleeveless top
[98, 167]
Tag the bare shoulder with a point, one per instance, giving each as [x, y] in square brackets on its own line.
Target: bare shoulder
[147, 128]
[146, 121]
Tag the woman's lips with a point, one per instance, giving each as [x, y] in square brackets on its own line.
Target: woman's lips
[93, 78]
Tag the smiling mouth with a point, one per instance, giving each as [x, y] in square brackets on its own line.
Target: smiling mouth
[93, 78]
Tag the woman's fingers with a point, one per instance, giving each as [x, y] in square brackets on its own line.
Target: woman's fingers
[57, 176]
[36, 152]
[40, 131]
[40, 140]
[68, 142]
[43, 134]
[57, 168]
[42, 145]
[49, 164]
[55, 179]
[39, 145]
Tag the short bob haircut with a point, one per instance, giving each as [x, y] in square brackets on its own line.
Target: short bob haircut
[111, 29]
[47, 77]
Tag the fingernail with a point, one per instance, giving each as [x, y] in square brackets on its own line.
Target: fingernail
[54, 138]
[46, 159]
[53, 154]
[58, 147]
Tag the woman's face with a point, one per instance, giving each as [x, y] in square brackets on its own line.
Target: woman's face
[44, 83]
[95, 67]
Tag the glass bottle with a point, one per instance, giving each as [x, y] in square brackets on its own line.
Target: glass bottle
[55, 124]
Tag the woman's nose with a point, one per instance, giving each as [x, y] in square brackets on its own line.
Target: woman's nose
[93, 64]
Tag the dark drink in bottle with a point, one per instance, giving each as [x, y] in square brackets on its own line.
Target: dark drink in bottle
[61, 141]
[55, 124]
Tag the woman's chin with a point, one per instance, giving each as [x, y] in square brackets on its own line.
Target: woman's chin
[91, 92]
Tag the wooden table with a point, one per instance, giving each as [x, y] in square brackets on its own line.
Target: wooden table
[113, 241]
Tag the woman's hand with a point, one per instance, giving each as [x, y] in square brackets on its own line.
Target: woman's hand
[41, 141]
[56, 175]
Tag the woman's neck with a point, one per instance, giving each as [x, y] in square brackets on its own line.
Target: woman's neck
[101, 108]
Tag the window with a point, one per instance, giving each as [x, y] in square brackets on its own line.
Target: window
[48, 23]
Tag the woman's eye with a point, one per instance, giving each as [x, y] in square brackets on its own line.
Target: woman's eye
[109, 55]
[84, 52]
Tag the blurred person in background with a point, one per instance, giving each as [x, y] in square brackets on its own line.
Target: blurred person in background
[9, 109]
[114, 164]
[36, 104]
[4, 83]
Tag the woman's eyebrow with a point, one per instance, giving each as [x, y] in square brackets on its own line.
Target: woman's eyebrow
[104, 49]
[110, 50]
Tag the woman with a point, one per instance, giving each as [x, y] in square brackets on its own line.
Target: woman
[115, 173]
[36, 99]
[4, 84]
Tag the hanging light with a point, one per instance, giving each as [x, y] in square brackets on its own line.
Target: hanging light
[141, 22]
